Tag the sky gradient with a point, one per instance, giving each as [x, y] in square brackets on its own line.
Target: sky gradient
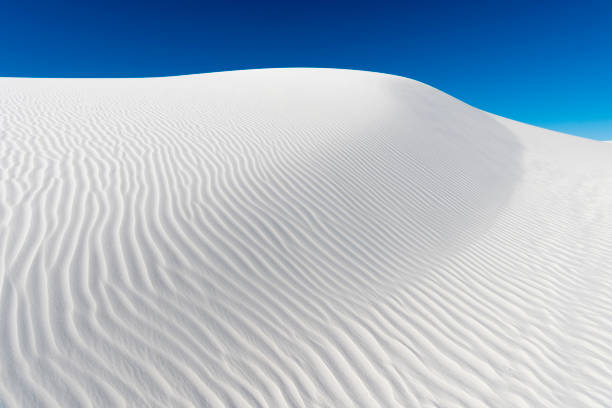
[548, 63]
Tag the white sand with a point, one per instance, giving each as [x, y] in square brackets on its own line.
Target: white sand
[296, 238]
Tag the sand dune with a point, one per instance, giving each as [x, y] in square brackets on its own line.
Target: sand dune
[296, 238]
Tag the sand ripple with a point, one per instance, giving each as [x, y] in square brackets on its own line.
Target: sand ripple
[296, 238]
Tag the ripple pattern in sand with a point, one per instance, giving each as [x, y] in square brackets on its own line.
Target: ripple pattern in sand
[294, 238]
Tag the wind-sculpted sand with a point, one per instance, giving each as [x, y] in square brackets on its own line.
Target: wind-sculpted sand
[296, 238]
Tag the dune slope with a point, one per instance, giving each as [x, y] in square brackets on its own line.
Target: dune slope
[296, 238]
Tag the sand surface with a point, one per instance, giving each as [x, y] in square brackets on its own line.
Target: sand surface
[296, 238]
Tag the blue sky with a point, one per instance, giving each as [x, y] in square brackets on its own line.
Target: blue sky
[548, 63]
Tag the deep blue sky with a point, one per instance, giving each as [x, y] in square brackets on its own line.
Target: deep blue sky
[548, 63]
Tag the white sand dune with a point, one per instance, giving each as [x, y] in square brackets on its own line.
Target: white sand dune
[296, 238]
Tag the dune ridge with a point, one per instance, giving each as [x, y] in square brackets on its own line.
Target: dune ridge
[296, 238]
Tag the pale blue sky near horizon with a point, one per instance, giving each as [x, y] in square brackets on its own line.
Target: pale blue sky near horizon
[547, 63]
[598, 130]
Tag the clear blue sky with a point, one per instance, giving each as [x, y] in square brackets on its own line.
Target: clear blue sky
[548, 63]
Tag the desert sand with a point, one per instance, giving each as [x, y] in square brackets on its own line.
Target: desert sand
[296, 238]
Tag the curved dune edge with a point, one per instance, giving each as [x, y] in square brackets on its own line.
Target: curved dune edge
[296, 238]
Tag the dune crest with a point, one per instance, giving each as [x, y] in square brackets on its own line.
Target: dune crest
[296, 238]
